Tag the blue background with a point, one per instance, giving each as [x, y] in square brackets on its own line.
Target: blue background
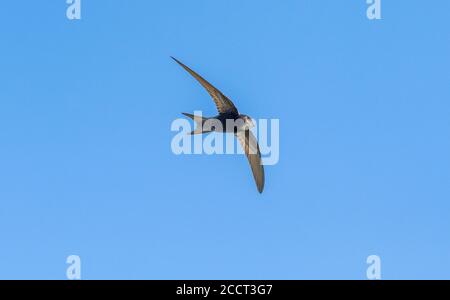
[86, 166]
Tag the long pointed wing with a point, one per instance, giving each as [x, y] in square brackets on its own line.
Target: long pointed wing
[222, 102]
[251, 149]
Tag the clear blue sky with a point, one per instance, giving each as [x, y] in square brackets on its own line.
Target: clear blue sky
[85, 160]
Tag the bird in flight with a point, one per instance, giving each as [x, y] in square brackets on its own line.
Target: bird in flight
[227, 111]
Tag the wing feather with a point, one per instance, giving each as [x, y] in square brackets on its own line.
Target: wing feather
[251, 149]
[223, 104]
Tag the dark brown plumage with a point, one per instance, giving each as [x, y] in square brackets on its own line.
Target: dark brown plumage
[227, 111]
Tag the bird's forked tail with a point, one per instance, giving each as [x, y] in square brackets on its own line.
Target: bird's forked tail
[199, 120]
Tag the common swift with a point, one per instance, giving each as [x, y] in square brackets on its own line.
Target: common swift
[227, 111]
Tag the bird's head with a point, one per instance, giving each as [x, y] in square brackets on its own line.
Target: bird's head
[248, 122]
